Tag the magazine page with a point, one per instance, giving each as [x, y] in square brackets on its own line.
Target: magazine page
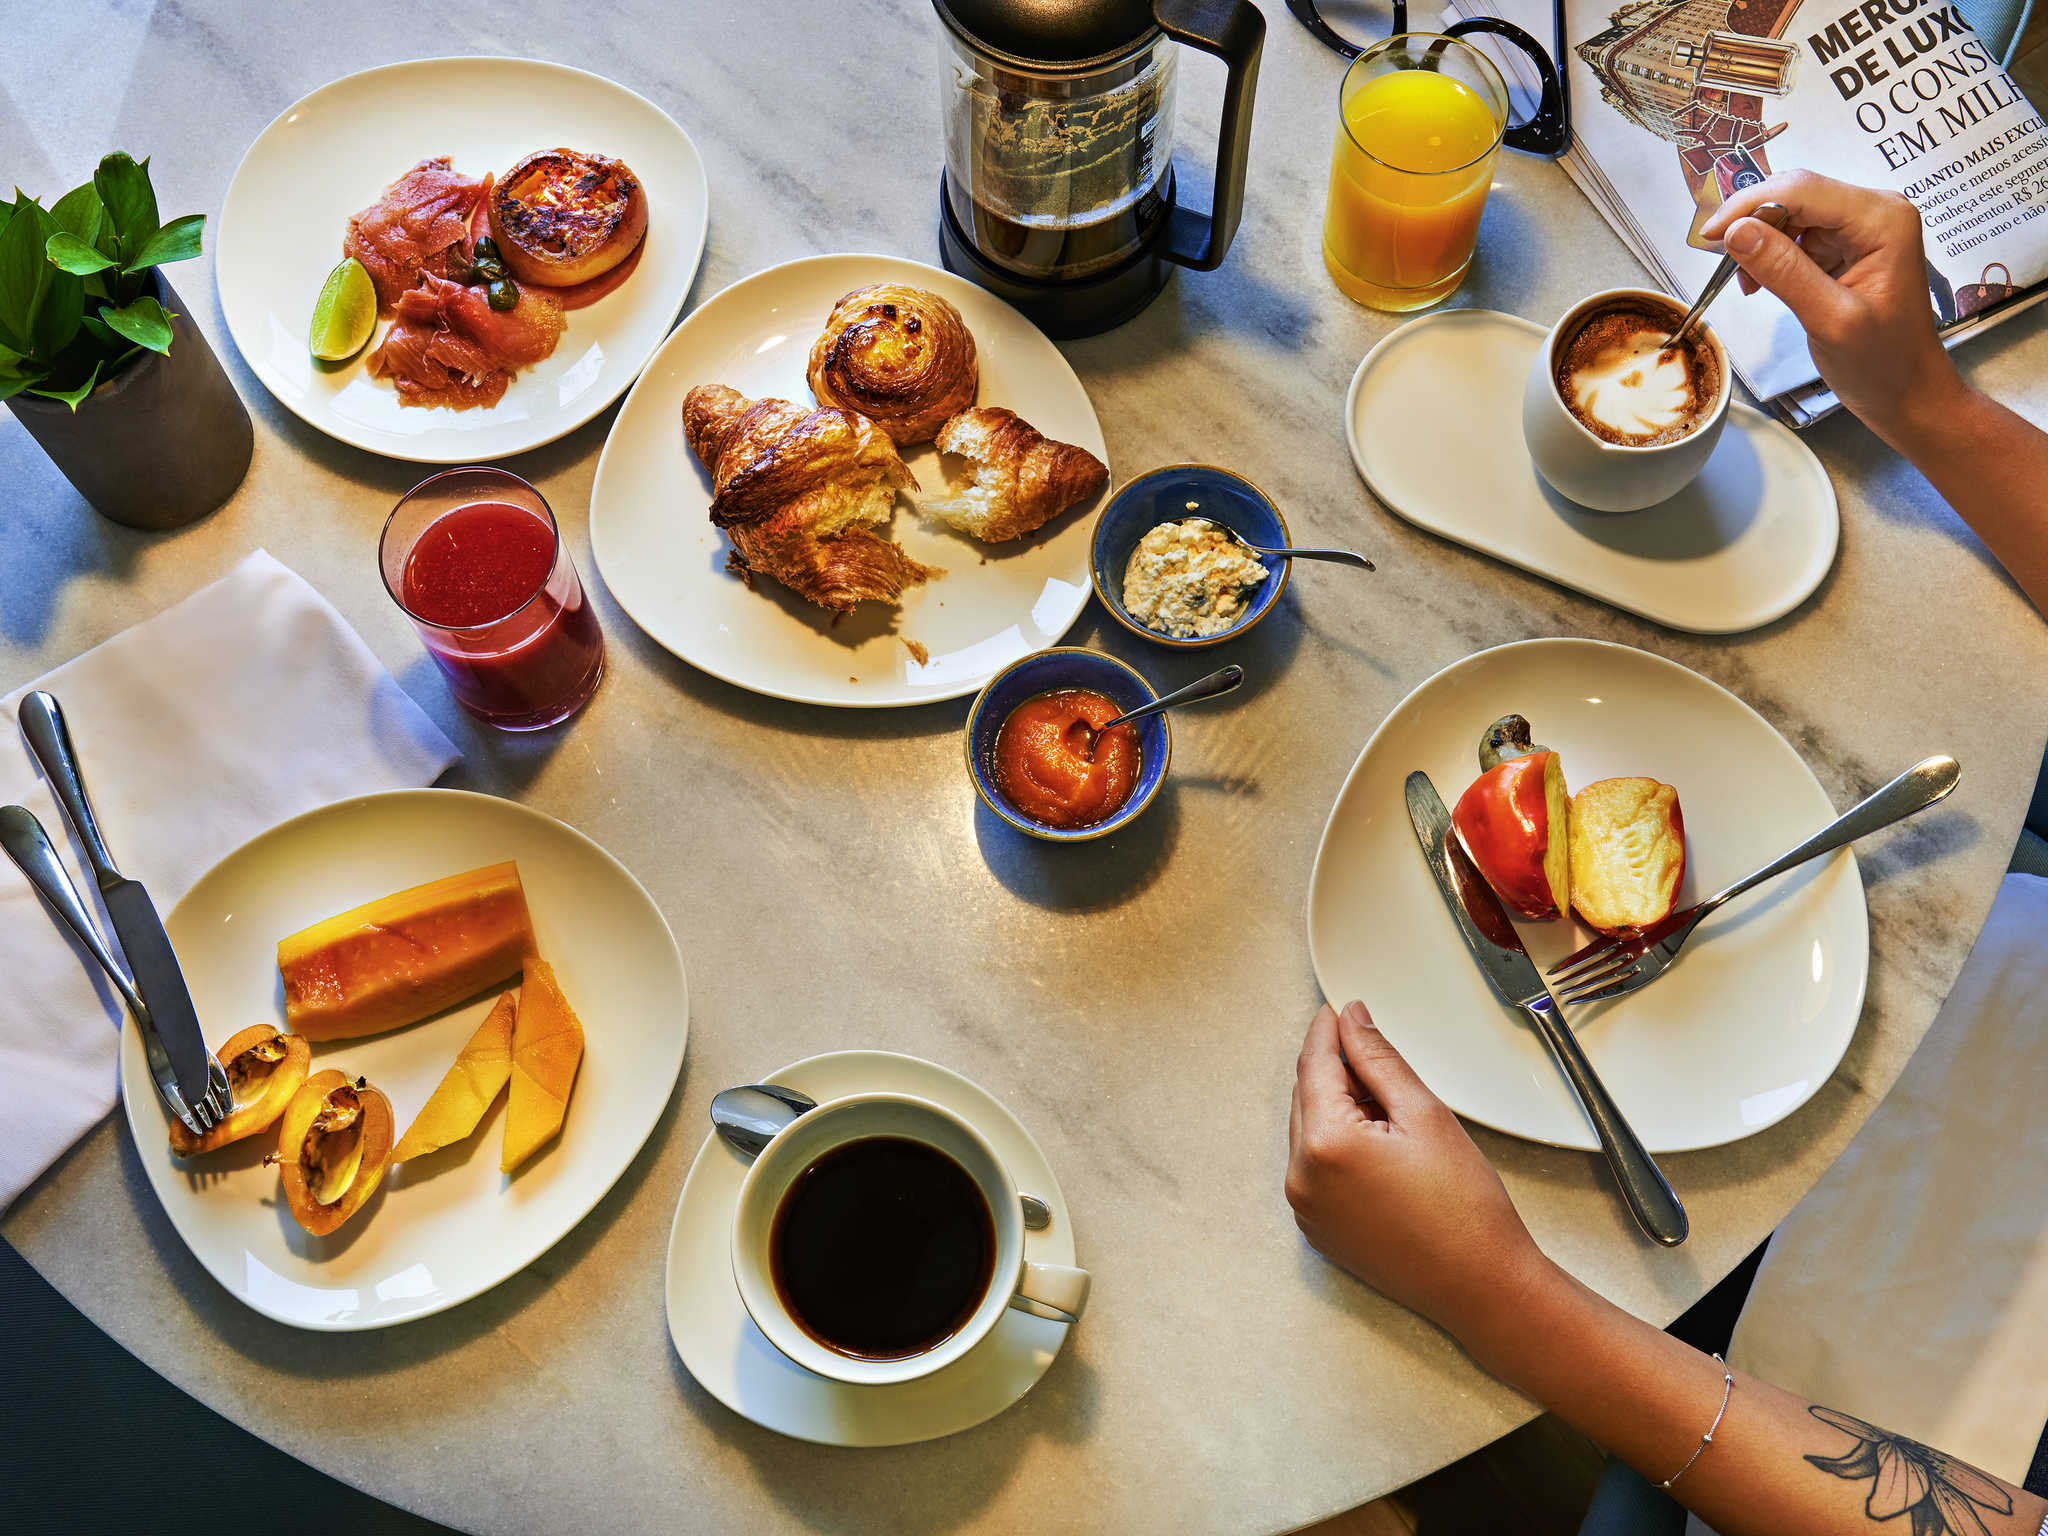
[1677, 103]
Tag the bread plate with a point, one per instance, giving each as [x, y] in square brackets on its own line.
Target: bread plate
[1744, 1029]
[334, 152]
[658, 552]
[446, 1226]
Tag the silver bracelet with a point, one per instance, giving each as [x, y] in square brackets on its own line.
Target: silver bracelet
[1727, 1390]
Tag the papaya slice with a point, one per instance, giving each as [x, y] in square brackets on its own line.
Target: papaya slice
[333, 1146]
[265, 1068]
[395, 960]
[456, 1107]
[547, 1047]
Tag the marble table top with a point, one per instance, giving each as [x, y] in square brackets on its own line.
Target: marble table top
[1226, 1379]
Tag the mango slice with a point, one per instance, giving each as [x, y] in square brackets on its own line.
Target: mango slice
[333, 1146]
[547, 1047]
[265, 1068]
[456, 1107]
[395, 960]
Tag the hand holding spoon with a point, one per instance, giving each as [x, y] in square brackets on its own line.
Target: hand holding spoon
[748, 1118]
[1773, 214]
[1220, 681]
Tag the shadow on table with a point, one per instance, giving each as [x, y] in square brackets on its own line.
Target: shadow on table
[908, 1490]
[334, 1356]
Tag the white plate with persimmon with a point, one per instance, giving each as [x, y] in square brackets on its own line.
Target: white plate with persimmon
[494, 1015]
[1756, 1013]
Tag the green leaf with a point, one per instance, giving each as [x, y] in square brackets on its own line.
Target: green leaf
[176, 241]
[74, 254]
[79, 212]
[102, 333]
[71, 397]
[130, 200]
[18, 373]
[40, 304]
[143, 322]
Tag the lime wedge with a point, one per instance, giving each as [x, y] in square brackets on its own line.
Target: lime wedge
[344, 314]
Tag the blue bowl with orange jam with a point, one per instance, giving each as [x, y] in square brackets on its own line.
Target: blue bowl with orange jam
[1042, 672]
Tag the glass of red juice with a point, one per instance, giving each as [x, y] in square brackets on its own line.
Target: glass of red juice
[474, 558]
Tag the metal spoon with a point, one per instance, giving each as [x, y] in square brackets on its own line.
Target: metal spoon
[1773, 214]
[1336, 556]
[1220, 681]
[748, 1118]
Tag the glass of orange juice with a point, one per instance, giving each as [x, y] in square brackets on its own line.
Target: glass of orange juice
[1419, 124]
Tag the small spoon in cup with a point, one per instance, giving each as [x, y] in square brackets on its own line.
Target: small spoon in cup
[1773, 214]
[1085, 736]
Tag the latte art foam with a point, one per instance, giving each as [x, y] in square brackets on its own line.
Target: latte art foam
[1622, 384]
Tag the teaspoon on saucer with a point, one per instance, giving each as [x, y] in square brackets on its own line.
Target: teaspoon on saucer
[748, 1118]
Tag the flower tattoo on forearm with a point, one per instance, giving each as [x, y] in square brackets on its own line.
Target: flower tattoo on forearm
[1941, 1494]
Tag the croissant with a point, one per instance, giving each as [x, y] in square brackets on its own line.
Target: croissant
[797, 491]
[900, 356]
[1022, 478]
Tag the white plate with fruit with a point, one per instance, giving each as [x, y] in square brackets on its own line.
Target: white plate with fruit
[466, 890]
[1752, 1019]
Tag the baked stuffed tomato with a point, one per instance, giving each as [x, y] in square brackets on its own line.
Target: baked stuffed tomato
[265, 1068]
[332, 1149]
[562, 217]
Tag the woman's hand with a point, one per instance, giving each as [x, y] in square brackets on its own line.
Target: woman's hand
[1850, 266]
[1385, 1182]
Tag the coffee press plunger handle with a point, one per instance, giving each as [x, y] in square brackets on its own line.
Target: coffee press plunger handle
[1235, 32]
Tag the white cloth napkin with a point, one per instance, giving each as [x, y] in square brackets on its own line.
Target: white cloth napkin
[247, 703]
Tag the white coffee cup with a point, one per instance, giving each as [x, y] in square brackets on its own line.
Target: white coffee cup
[1044, 1290]
[1584, 467]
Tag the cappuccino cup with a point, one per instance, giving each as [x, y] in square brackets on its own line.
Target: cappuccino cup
[1613, 422]
[878, 1238]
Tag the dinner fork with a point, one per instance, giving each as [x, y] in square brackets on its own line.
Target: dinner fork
[28, 845]
[1610, 967]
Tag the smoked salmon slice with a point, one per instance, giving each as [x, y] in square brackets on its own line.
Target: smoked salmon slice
[449, 347]
[420, 225]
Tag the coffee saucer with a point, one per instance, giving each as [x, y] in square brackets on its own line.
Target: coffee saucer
[736, 1364]
[1434, 419]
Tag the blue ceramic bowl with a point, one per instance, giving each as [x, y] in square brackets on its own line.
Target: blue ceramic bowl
[1169, 495]
[1066, 666]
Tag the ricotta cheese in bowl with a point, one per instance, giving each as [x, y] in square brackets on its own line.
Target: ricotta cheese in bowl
[1190, 579]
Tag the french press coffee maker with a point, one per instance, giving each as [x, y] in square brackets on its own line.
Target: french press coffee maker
[1058, 192]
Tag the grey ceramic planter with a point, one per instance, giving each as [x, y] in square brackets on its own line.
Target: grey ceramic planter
[161, 443]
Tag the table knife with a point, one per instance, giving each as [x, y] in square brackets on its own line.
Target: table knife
[151, 963]
[1491, 937]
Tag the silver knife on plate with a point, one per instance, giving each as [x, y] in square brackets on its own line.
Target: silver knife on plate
[145, 946]
[1491, 937]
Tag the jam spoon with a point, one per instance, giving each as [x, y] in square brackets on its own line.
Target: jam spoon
[1773, 214]
[1220, 681]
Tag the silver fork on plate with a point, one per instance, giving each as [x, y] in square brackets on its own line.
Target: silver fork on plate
[25, 842]
[1611, 967]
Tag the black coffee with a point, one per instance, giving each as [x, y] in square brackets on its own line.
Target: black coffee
[882, 1248]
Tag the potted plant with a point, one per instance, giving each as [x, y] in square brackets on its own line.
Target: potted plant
[96, 360]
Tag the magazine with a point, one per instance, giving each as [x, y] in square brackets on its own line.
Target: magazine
[1675, 104]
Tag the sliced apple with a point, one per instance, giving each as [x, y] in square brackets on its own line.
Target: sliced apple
[547, 1047]
[1512, 821]
[333, 1146]
[456, 1107]
[265, 1068]
[395, 960]
[1628, 853]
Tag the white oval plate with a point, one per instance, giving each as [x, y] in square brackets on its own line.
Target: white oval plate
[1742, 1030]
[1434, 419]
[651, 532]
[332, 154]
[448, 1225]
[735, 1363]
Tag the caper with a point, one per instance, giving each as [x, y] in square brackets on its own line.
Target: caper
[490, 270]
[486, 248]
[503, 295]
